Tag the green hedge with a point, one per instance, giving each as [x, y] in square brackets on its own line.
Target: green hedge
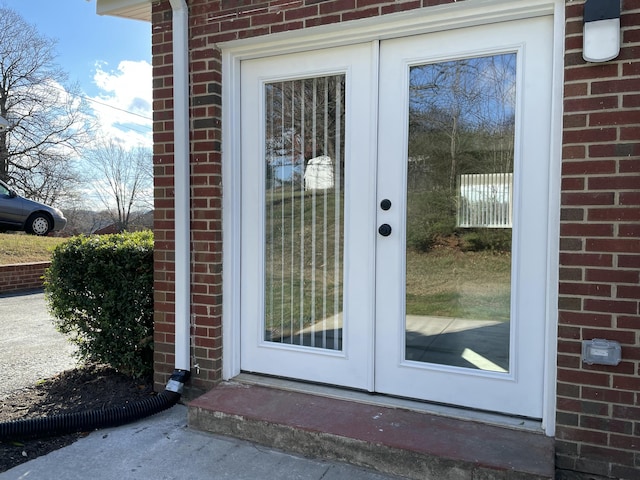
[100, 291]
[486, 239]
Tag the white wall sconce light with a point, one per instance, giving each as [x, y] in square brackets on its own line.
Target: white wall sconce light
[601, 33]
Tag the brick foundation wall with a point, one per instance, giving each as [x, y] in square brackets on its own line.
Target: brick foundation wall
[22, 276]
[598, 414]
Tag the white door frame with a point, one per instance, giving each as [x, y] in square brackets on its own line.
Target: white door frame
[419, 21]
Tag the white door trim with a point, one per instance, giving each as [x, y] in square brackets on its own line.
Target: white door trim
[450, 16]
[553, 236]
[412, 22]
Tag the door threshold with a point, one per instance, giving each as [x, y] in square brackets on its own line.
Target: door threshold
[458, 413]
[333, 424]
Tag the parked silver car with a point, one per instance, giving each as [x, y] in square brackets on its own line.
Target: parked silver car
[18, 213]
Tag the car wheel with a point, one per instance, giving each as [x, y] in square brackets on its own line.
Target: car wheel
[38, 224]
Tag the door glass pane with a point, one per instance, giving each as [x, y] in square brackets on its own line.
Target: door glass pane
[304, 161]
[459, 212]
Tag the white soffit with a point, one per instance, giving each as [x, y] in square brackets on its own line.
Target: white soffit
[135, 9]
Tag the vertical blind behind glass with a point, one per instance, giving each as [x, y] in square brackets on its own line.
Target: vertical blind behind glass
[304, 199]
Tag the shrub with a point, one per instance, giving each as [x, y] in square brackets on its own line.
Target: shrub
[430, 216]
[100, 292]
[494, 240]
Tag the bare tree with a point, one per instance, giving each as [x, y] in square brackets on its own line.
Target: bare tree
[462, 113]
[122, 181]
[48, 120]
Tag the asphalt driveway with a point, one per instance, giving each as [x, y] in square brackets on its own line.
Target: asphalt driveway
[30, 347]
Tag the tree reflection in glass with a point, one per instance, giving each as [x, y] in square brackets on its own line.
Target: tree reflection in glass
[460, 212]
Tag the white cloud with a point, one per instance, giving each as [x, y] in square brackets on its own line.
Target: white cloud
[124, 106]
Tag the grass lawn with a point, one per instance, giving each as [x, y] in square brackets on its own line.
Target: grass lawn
[444, 282]
[450, 283]
[21, 248]
[303, 280]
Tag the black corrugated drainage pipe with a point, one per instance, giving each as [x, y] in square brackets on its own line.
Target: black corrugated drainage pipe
[94, 419]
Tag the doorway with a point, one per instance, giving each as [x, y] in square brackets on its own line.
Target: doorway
[394, 215]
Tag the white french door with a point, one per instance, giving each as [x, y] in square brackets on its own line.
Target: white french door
[394, 215]
[307, 260]
[471, 152]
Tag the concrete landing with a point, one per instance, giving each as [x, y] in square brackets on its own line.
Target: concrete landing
[394, 441]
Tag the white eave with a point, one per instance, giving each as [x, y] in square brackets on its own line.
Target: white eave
[135, 9]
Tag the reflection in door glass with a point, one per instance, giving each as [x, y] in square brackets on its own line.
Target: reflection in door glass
[459, 212]
[304, 162]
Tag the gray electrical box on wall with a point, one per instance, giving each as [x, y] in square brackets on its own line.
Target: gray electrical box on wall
[601, 352]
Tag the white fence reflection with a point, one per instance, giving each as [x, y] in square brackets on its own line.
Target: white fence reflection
[485, 200]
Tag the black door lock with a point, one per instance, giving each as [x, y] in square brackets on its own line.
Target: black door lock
[384, 230]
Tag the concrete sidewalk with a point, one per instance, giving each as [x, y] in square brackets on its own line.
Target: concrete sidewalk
[162, 447]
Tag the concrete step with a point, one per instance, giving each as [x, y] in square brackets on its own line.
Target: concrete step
[391, 440]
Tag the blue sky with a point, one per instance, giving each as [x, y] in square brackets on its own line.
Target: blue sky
[109, 57]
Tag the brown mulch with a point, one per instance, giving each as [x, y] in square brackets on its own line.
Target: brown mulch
[87, 388]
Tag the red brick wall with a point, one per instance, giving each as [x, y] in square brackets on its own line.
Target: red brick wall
[23, 276]
[598, 418]
[598, 415]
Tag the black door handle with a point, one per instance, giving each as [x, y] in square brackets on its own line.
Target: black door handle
[384, 230]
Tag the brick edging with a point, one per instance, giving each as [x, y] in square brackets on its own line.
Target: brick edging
[22, 276]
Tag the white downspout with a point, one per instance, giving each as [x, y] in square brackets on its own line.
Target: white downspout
[182, 184]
